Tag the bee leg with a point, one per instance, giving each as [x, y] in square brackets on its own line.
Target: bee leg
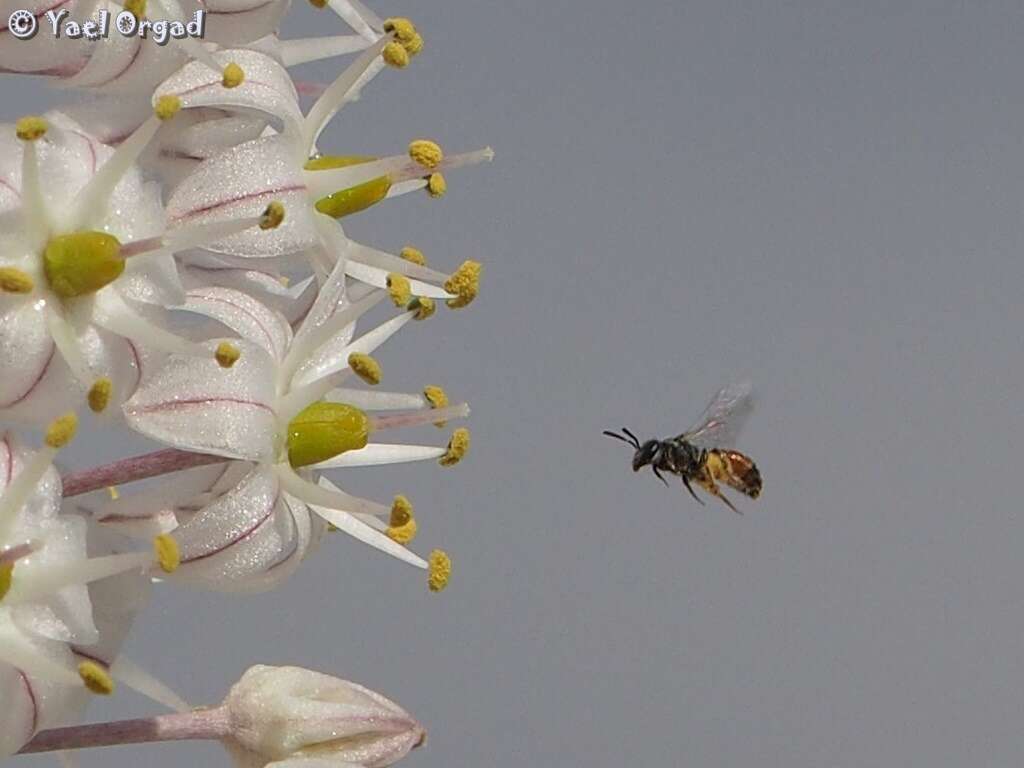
[658, 475]
[714, 491]
[690, 489]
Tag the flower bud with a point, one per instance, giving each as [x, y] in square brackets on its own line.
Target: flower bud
[293, 714]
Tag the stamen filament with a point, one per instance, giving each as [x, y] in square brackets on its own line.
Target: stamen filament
[390, 263]
[138, 679]
[113, 314]
[58, 576]
[378, 278]
[21, 487]
[33, 207]
[372, 400]
[305, 50]
[64, 337]
[14, 650]
[376, 454]
[417, 418]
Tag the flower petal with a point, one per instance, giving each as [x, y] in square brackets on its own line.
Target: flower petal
[232, 22]
[194, 404]
[245, 315]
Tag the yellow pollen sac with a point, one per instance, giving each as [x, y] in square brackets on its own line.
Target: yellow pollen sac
[6, 577]
[233, 77]
[318, 3]
[403, 534]
[422, 306]
[395, 55]
[464, 283]
[273, 216]
[399, 289]
[437, 398]
[413, 45]
[13, 280]
[226, 354]
[167, 107]
[82, 263]
[99, 394]
[30, 128]
[136, 8]
[458, 447]
[440, 570]
[114, 493]
[427, 153]
[168, 555]
[415, 255]
[401, 27]
[324, 430]
[436, 185]
[96, 678]
[365, 367]
[61, 430]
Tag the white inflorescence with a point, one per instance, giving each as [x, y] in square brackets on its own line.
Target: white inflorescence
[172, 259]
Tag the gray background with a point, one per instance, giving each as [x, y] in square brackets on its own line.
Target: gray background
[824, 196]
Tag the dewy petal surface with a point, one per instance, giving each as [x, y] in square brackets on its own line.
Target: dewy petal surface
[246, 316]
[193, 404]
[242, 182]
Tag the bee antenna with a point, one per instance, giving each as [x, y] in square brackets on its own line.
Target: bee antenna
[636, 443]
[617, 436]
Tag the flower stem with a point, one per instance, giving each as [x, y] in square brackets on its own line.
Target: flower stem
[135, 468]
[196, 725]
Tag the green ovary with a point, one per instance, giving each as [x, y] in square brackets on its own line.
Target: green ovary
[82, 263]
[322, 431]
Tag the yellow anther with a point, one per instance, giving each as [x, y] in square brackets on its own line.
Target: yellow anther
[324, 430]
[402, 526]
[365, 367]
[6, 577]
[114, 493]
[96, 678]
[440, 570]
[437, 398]
[464, 283]
[395, 55]
[458, 447]
[413, 45]
[226, 354]
[136, 8]
[13, 280]
[415, 255]
[168, 555]
[436, 185]
[167, 107]
[61, 430]
[318, 3]
[82, 263]
[272, 216]
[233, 76]
[99, 394]
[403, 534]
[400, 27]
[427, 153]
[399, 289]
[422, 306]
[30, 128]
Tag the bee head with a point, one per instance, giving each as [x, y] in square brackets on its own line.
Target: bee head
[644, 455]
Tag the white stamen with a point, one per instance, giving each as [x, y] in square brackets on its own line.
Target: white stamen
[416, 418]
[90, 204]
[376, 454]
[112, 313]
[14, 650]
[33, 208]
[303, 51]
[22, 486]
[311, 493]
[378, 277]
[304, 349]
[172, 11]
[353, 18]
[372, 400]
[333, 99]
[138, 679]
[39, 584]
[66, 339]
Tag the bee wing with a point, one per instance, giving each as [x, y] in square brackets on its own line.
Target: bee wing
[724, 417]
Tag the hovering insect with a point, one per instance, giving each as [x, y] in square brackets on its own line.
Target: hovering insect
[703, 453]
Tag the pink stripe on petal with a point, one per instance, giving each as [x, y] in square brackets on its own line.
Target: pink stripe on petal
[172, 405]
[238, 199]
[34, 384]
[35, 705]
[271, 347]
[240, 538]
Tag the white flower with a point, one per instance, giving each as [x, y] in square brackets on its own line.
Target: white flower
[305, 718]
[49, 641]
[84, 260]
[252, 527]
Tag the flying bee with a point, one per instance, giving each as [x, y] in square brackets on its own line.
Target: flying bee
[703, 453]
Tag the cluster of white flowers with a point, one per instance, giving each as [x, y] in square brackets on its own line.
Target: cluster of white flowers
[172, 259]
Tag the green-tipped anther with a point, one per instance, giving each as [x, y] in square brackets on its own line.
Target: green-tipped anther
[82, 263]
[324, 430]
[354, 199]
